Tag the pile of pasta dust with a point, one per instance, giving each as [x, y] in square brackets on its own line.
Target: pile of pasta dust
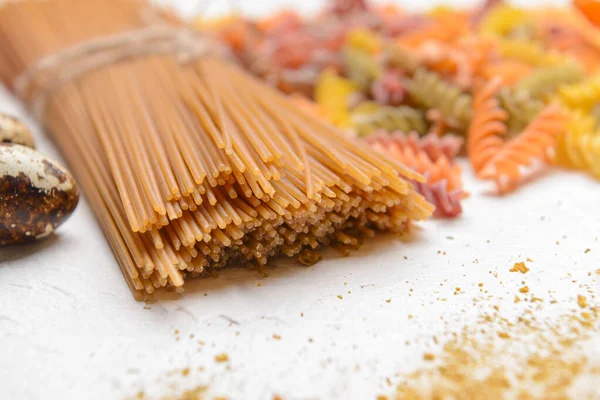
[541, 354]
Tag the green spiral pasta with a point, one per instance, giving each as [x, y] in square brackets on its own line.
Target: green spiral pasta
[360, 67]
[545, 80]
[430, 90]
[521, 108]
[369, 117]
[396, 56]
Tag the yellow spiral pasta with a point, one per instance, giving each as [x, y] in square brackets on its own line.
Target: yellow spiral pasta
[502, 20]
[364, 40]
[331, 94]
[584, 95]
[571, 151]
[530, 52]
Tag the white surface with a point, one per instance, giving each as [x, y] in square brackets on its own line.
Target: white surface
[69, 328]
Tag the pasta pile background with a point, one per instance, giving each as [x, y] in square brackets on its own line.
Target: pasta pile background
[515, 90]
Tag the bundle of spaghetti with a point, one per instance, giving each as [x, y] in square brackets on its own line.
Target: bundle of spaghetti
[189, 163]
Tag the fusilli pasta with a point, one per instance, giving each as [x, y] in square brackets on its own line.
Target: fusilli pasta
[485, 136]
[530, 52]
[584, 95]
[430, 90]
[546, 80]
[369, 117]
[570, 151]
[360, 67]
[533, 145]
[434, 146]
[521, 108]
[447, 203]
[331, 94]
[503, 20]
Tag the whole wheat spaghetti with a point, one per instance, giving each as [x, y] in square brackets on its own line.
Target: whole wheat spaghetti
[189, 163]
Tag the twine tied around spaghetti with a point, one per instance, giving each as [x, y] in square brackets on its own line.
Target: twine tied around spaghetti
[48, 75]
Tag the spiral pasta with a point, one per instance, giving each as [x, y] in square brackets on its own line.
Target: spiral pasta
[434, 158]
[590, 150]
[570, 151]
[447, 203]
[360, 67]
[521, 108]
[434, 146]
[503, 20]
[546, 80]
[530, 52]
[364, 40]
[430, 90]
[440, 169]
[369, 117]
[396, 56]
[485, 136]
[583, 95]
[331, 94]
[534, 144]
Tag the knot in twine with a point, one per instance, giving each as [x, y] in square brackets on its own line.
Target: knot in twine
[48, 75]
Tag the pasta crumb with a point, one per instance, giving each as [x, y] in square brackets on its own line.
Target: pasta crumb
[582, 301]
[520, 267]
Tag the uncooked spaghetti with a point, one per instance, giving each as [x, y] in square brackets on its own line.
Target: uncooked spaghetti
[193, 166]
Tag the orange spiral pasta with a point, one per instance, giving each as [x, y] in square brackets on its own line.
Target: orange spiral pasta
[487, 127]
[535, 143]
